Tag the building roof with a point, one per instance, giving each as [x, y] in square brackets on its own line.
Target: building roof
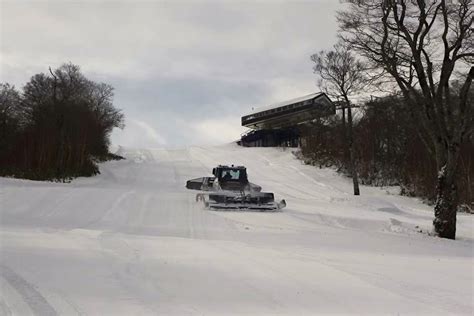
[284, 103]
[289, 113]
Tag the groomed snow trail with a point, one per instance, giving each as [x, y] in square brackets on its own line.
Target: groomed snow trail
[132, 241]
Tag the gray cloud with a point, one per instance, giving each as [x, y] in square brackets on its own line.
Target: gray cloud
[187, 70]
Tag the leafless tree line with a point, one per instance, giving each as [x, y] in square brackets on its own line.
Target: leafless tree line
[57, 126]
[387, 150]
[424, 50]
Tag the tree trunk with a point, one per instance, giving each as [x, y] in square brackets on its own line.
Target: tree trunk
[346, 154]
[446, 197]
[350, 145]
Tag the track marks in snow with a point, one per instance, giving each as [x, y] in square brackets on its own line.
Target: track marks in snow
[127, 271]
[28, 292]
[117, 204]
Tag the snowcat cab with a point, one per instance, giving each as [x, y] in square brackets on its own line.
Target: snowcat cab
[231, 178]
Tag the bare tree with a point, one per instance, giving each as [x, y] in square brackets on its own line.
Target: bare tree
[341, 75]
[10, 116]
[9, 102]
[424, 46]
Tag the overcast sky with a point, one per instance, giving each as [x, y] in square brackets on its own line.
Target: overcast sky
[184, 72]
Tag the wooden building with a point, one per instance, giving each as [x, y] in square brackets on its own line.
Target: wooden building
[278, 124]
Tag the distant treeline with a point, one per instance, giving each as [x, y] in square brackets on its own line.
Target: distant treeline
[57, 127]
[388, 148]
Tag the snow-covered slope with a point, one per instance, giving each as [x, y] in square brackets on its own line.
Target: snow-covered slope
[132, 241]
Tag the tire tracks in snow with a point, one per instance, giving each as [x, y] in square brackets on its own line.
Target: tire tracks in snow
[31, 296]
[127, 270]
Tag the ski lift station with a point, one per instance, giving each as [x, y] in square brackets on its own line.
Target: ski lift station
[279, 124]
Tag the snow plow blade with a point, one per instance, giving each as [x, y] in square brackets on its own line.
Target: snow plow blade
[243, 207]
[262, 201]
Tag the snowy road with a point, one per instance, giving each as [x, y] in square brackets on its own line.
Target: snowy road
[132, 241]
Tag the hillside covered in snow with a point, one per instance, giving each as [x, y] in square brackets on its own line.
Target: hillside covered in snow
[133, 241]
